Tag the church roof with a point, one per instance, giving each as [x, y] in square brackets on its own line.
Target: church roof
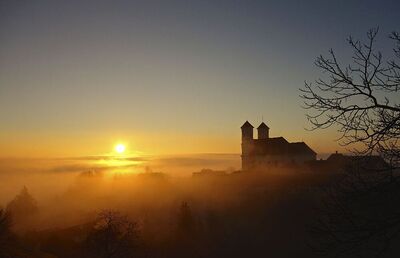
[270, 146]
[280, 146]
[300, 148]
[262, 125]
[247, 124]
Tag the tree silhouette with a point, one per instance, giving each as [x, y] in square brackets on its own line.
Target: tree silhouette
[186, 222]
[5, 231]
[113, 235]
[360, 215]
[362, 99]
[22, 204]
[23, 209]
[5, 222]
[9, 243]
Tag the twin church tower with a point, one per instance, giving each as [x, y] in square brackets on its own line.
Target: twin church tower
[247, 131]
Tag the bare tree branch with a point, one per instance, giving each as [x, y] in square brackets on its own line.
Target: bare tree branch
[360, 216]
[361, 99]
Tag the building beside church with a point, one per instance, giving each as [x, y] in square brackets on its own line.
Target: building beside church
[265, 151]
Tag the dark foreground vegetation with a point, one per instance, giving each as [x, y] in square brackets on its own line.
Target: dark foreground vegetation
[360, 99]
[237, 215]
[279, 213]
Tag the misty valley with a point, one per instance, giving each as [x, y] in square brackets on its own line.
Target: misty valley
[152, 214]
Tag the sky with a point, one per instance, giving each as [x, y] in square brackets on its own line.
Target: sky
[167, 77]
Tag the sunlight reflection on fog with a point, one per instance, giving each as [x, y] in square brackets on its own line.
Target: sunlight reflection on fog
[42, 176]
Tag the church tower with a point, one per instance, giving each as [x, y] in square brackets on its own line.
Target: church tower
[247, 144]
[247, 131]
[263, 131]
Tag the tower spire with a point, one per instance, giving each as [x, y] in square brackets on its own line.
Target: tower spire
[247, 131]
[263, 131]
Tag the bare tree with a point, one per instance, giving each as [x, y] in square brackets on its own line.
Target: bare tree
[113, 235]
[360, 215]
[361, 99]
[186, 222]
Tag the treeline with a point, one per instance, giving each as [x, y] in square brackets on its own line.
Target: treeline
[234, 216]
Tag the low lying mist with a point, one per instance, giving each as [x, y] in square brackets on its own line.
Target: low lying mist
[222, 205]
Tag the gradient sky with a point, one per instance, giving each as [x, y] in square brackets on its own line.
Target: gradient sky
[163, 76]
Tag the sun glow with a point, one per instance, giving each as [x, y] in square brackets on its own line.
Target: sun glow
[120, 148]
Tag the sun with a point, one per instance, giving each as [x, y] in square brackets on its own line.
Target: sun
[120, 148]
